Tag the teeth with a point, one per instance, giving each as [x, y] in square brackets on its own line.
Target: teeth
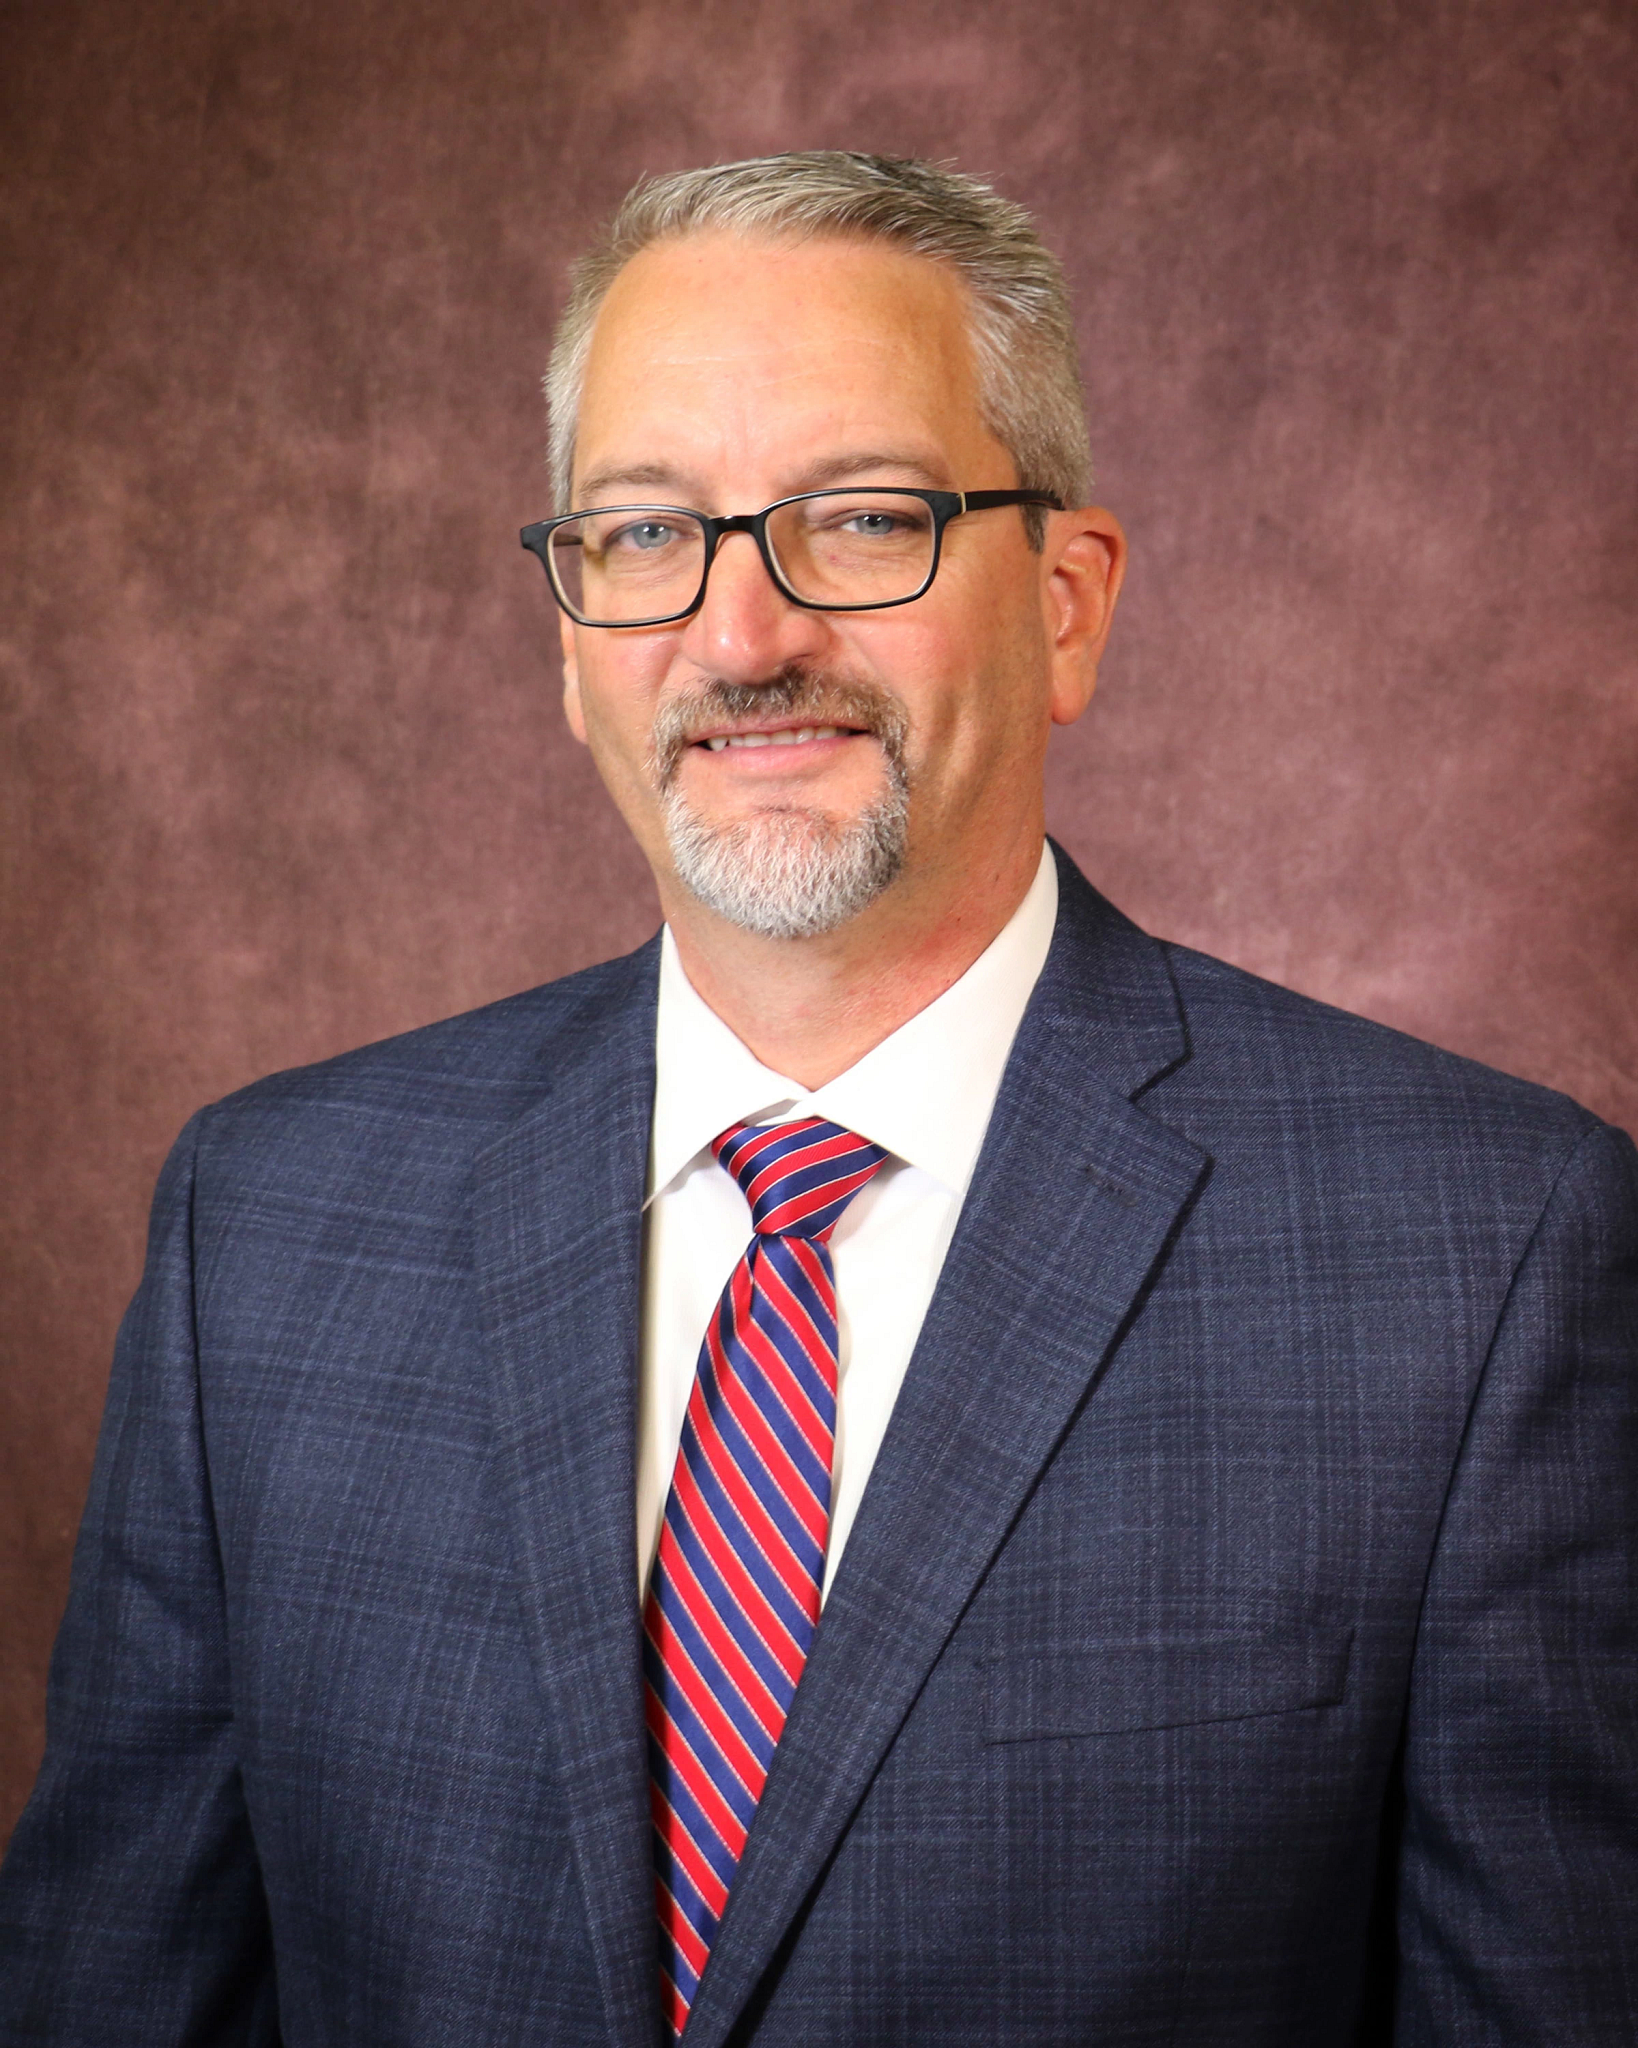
[793, 738]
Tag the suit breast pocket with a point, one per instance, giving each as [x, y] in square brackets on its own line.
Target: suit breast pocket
[1163, 1681]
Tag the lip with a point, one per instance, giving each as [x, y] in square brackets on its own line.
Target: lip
[772, 744]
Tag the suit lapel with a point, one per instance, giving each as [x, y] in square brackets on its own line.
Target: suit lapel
[557, 1214]
[1075, 1197]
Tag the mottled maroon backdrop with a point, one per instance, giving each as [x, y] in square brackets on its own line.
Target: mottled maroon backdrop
[283, 763]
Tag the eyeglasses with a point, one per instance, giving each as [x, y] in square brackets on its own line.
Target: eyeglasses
[845, 550]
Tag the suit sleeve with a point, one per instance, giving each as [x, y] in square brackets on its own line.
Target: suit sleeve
[1517, 1900]
[131, 1907]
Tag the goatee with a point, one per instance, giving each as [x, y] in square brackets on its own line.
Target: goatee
[788, 871]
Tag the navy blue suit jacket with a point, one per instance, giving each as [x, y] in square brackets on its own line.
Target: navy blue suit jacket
[1235, 1644]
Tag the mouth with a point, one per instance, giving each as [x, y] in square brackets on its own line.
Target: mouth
[777, 736]
[782, 728]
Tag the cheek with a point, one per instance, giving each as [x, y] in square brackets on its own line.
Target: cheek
[983, 673]
[616, 693]
[985, 710]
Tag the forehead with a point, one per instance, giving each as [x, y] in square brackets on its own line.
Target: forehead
[729, 353]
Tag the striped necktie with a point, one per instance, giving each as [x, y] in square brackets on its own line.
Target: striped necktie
[733, 1600]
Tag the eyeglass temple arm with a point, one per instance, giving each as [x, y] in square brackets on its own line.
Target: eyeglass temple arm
[981, 501]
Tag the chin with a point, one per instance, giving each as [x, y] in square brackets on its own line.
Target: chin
[786, 872]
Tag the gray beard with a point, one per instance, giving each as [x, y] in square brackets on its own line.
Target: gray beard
[786, 872]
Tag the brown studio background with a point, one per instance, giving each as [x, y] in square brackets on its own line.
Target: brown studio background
[284, 769]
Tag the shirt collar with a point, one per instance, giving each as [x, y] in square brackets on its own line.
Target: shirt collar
[924, 1093]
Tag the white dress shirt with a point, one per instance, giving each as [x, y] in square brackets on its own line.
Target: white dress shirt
[924, 1094]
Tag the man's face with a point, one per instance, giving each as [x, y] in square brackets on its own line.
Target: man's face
[726, 372]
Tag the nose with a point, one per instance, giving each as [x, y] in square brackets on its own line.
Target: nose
[746, 629]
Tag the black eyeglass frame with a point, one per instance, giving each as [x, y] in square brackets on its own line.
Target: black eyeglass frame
[944, 506]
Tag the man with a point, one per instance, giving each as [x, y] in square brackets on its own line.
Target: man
[1205, 1419]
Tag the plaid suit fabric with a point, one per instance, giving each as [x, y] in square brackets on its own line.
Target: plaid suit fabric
[1235, 1642]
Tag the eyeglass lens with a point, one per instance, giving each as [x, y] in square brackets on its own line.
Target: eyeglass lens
[644, 562]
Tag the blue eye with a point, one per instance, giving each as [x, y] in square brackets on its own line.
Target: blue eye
[645, 533]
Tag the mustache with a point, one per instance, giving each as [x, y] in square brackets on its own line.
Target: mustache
[812, 696]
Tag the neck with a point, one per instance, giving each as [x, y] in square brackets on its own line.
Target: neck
[810, 1008]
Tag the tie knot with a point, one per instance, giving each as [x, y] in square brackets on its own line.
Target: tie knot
[798, 1177]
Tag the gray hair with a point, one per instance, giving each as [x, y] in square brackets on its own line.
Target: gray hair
[1022, 333]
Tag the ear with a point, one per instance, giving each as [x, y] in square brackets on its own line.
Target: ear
[573, 710]
[1084, 561]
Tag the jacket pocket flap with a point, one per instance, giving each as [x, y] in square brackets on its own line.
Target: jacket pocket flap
[1163, 1682]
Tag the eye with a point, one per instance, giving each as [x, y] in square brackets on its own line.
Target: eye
[642, 534]
[872, 524]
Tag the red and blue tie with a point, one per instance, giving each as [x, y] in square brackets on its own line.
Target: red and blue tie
[733, 1600]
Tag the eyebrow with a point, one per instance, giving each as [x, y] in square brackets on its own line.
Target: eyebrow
[842, 468]
[628, 476]
[851, 463]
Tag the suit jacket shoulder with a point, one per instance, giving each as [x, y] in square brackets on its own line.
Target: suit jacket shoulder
[1254, 1059]
[435, 1096]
